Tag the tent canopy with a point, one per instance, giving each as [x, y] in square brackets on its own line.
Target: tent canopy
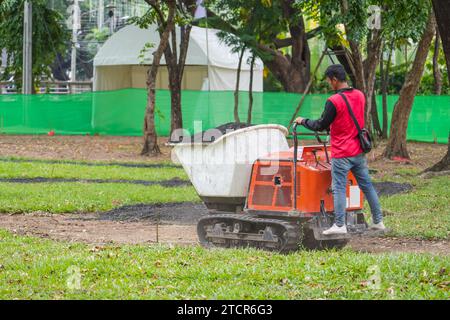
[121, 62]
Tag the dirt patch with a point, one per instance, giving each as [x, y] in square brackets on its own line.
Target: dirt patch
[390, 188]
[128, 224]
[168, 213]
[423, 155]
[87, 228]
[96, 148]
[174, 182]
[137, 225]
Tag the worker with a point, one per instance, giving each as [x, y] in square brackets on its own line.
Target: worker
[346, 152]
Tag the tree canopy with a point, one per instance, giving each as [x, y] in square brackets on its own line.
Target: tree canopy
[50, 38]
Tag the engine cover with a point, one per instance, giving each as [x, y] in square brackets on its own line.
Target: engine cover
[271, 184]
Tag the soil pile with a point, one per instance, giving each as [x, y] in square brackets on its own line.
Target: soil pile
[185, 213]
[389, 188]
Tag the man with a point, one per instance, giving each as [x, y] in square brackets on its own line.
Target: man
[346, 152]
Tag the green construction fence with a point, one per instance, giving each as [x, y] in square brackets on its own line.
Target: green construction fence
[121, 112]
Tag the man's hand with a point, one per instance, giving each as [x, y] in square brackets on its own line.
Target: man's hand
[299, 120]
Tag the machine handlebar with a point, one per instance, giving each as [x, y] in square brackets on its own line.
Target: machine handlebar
[317, 134]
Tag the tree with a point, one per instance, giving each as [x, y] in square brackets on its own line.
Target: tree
[175, 52]
[176, 58]
[442, 13]
[166, 15]
[238, 47]
[243, 33]
[384, 75]
[167, 10]
[250, 89]
[366, 24]
[49, 38]
[287, 57]
[396, 146]
[436, 72]
[349, 44]
[236, 90]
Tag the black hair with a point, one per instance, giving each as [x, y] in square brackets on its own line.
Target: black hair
[336, 71]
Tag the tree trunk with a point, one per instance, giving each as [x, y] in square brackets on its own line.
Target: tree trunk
[250, 91]
[236, 91]
[436, 72]
[175, 67]
[176, 116]
[150, 137]
[371, 63]
[293, 79]
[442, 13]
[364, 71]
[444, 164]
[358, 66]
[292, 70]
[384, 90]
[396, 146]
[375, 119]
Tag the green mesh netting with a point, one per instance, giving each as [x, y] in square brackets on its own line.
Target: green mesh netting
[121, 112]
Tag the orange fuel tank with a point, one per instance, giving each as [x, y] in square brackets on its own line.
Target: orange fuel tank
[271, 184]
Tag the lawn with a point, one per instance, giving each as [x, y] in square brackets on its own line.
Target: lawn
[43, 269]
[85, 197]
[65, 197]
[424, 212]
[87, 170]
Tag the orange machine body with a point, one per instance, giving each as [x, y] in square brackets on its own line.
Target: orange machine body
[271, 184]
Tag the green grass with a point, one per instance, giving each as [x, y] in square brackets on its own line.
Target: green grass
[424, 212]
[85, 197]
[80, 171]
[43, 269]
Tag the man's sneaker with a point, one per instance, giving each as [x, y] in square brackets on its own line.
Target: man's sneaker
[378, 226]
[335, 230]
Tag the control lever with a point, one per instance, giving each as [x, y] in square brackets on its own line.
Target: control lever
[324, 145]
[314, 152]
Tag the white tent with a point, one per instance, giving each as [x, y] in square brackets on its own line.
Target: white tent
[121, 63]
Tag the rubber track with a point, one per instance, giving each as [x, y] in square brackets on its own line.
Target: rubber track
[293, 231]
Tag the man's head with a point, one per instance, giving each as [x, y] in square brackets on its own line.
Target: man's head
[336, 76]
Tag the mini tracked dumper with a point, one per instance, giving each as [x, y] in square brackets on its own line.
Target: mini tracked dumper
[276, 199]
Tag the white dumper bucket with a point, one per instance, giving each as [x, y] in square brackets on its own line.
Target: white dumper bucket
[220, 170]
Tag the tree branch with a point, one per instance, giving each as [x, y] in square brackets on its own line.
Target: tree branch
[282, 43]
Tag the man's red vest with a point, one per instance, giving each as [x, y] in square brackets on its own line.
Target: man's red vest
[344, 135]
